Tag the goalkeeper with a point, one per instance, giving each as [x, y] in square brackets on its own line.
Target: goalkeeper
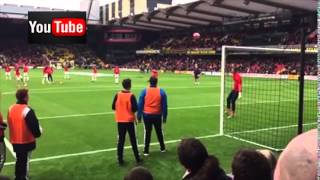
[235, 93]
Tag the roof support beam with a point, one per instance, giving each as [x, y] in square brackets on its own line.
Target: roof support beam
[174, 21]
[210, 13]
[159, 23]
[281, 5]
[151, 25]
[140, 27]
[193, 18]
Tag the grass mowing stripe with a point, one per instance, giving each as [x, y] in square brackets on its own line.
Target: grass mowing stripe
[271, 128]
[103, 150]
[172, 108]
[104, 89]
[166, 142]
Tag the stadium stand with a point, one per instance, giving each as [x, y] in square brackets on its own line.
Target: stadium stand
[19, 52]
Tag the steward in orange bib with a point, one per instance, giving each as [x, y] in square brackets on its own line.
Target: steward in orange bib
[153, 107]
[125, 105]
[24, 128]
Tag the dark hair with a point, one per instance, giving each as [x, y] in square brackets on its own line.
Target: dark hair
[192, 154]
[126, 84]
[153, 81]
[250, 165]
[139, 173]
[210, 170]
[21, 94]
[271, 157]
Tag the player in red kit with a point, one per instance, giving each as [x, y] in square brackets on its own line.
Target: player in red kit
[25, 74]
[116, 72]
[17, 73]
[8, 72]
[234, 94]
[154, 73]
[94, 73]
[45, 75]
[50, 73]
[66, 72]
[18, 76]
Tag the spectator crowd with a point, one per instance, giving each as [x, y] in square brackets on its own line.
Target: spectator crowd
[18, 52]
[209, 39]
[246, 64]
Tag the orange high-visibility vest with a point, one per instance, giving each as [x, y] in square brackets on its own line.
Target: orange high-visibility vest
[152, 101]
[18, 130]
[124, 108]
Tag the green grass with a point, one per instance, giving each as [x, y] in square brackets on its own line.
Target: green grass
[194, 112]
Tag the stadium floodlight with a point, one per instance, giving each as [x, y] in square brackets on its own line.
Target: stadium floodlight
[267, 115]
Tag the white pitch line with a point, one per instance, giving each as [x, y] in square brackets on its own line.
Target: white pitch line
[103, 89]
[251, 142]
[268, 129]
[152, 144]
[104, 150]
[171, 108]
[9, 147]
[75, 115]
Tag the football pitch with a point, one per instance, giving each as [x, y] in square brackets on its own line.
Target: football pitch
[80, 134]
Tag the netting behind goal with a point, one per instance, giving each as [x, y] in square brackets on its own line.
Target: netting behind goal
[267, 113]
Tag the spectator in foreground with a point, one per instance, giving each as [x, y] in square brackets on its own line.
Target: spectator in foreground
[139, 173]
[272, 160]
[298, 161]
[198, 163]
[250, 165]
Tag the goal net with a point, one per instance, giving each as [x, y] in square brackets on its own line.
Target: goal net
[267, 113]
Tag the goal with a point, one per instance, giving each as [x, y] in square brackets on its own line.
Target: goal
[267, 114]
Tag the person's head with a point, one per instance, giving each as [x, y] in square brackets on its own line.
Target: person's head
[298, 161]
[272, 160]
[22, 96]
[210, 170]
[250, 165]
[153, 81]
[126, 84]
[192, 154]
[235, 69]
[139, 173]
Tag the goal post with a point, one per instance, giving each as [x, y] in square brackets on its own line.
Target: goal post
[268, 113]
